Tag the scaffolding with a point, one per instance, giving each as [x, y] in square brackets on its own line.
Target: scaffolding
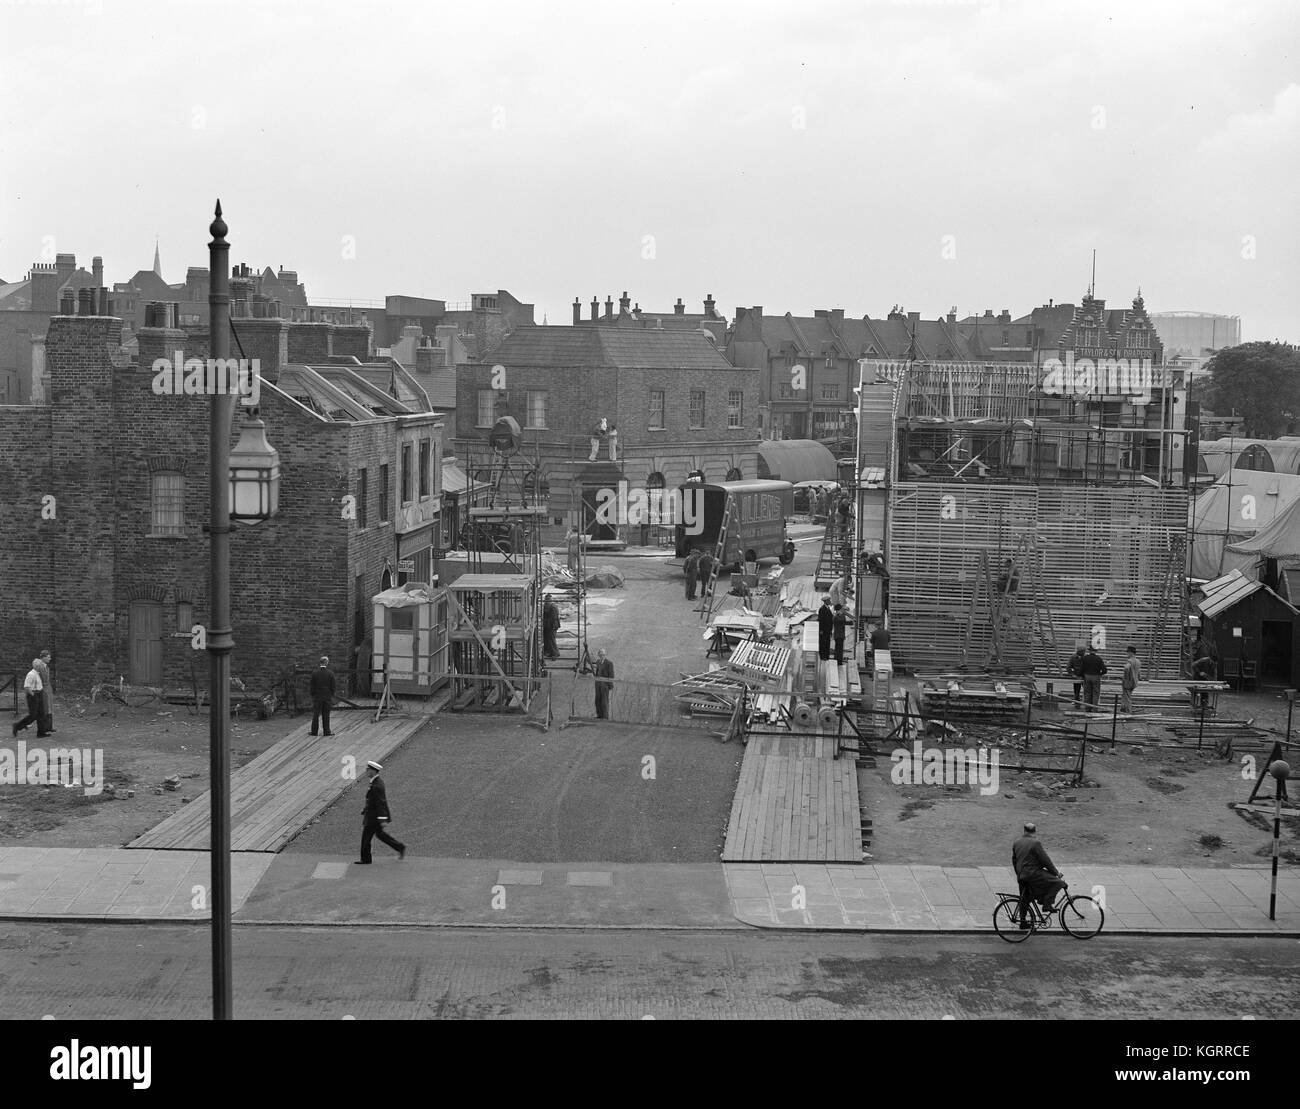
[1084, 495]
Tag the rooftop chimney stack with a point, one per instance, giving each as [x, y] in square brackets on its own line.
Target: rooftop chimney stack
[679, 309]
[595, 310]
[68, 303]
[708, 304]
[609, 308]
[624, 303]
[577, 311]
[85, 302]
[97, 271]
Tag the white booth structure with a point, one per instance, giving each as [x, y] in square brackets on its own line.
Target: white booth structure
[410, 639]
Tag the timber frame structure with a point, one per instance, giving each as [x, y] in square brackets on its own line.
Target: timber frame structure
[986, 480]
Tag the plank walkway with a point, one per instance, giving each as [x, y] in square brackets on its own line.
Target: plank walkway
[273, 797]
[794, 803]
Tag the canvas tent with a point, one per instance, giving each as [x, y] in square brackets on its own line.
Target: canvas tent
[796, 460]
[1236, 508]
[1281, 456]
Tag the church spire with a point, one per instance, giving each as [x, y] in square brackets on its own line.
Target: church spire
[157, 262]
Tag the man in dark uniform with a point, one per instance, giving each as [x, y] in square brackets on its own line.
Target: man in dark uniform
[690, 569]
[604, 684]
[1038, 877]
[376, 815]
[1075, 666]
[825, 625]
[704, 570]
[840, 623]
[1093, 667]
[550, 627]
[322, 694]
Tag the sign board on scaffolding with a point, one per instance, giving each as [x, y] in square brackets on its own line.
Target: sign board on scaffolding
[406, 566]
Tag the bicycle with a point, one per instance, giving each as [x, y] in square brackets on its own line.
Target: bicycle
[1080, 915]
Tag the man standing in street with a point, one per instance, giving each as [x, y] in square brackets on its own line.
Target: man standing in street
[375, 815]
[32, 688]
[45, 725]
[572, 542]
[322, 695]
[1093, 667]
[550, 626]
[1075, 667]
[604, 684]
[1038, 877]
[825, 625]
[839, 623]
[690, 568]
[1129, 682]
[703, 571]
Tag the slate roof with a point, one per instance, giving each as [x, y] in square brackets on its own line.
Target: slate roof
[817, 336]
[608, 347]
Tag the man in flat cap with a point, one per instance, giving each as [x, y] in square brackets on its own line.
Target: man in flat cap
[322, 694]
[376, 815]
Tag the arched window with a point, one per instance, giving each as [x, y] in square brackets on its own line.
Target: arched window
[654, 485]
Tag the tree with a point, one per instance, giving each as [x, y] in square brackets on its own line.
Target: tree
[1260, 382]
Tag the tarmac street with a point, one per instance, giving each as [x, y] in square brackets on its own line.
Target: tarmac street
[162, 973]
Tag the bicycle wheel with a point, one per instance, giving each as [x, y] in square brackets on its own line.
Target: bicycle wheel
[1082, 917]
[1005, 921]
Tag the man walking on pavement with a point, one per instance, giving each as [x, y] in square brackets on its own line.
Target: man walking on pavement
[322, 695]
[604, 684]
[32, 688]
[825, 625]
[375, 815]
[690, 568]
[1038, 876]
[1093, 667]
[1129, 682]
[41, 665]
[550, 626]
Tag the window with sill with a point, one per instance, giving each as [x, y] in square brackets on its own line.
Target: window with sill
[167, 495]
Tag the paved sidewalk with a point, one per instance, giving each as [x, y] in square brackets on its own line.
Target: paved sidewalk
[934, 898]
[422, 891]
[112, 883]
[117, 884]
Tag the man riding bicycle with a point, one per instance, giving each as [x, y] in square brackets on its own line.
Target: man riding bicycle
[1036, 873]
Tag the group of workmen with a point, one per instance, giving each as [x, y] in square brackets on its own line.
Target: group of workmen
[1087, 667]
[697, 568]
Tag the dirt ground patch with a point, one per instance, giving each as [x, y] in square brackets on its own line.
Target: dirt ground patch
[141, 747]
[1143, 802]
[480, 787]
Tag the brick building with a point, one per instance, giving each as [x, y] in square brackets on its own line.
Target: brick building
[819, 402]
[104, 488]
[481, 323]
[677, 403]
[676, 319]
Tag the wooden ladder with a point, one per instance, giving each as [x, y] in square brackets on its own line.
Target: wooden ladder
[720, 550]
[1170, 598]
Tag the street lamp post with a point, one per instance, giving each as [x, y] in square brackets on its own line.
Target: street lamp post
[1280, 771]
[220, 640]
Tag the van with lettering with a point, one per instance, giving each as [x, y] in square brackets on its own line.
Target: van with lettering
[757, 526]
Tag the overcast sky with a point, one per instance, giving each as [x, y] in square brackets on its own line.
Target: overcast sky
[794, 155]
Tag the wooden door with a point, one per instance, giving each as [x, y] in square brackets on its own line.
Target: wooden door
[146, 643]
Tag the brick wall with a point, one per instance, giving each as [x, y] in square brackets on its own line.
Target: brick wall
[309, 342]
[70, 582]
[351, 339]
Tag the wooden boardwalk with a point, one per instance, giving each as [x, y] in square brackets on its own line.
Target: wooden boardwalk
[794, 803]
[273, 797]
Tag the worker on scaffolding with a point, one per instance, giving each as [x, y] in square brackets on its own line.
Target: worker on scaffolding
[841, 590]
[573, 543]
